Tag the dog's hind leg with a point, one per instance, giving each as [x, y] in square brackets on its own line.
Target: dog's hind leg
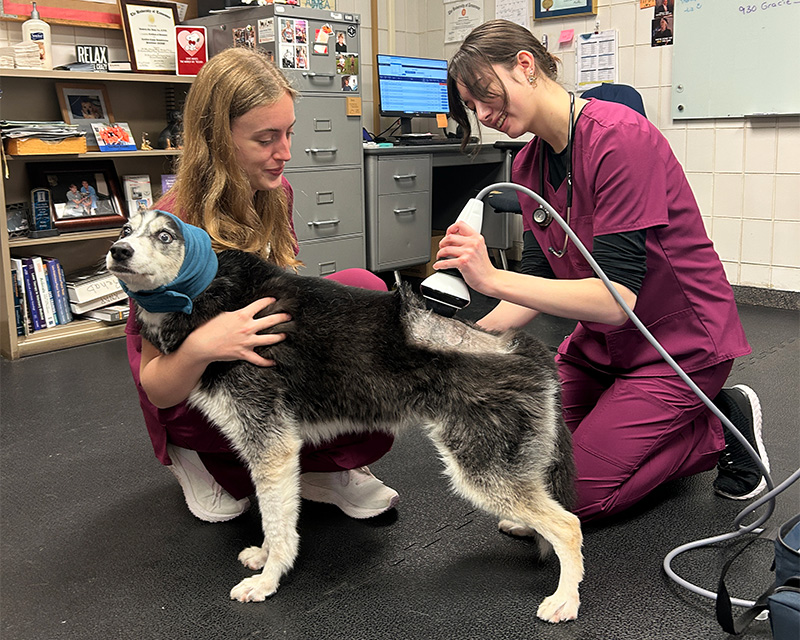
[275, 474]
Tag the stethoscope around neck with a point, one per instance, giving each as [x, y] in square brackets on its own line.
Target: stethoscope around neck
[542, 216]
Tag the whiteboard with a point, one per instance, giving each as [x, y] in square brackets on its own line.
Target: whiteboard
[734, 59]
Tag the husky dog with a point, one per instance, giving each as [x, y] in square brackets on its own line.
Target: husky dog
[358, 360]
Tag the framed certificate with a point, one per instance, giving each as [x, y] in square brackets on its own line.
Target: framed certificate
[149, 34]
[559, 8]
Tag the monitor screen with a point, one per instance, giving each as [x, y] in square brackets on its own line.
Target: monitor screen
[409, 87]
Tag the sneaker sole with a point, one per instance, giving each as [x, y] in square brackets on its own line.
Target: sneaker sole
[326, 496]
[755, 405]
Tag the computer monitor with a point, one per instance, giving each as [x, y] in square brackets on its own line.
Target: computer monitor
[411, 88]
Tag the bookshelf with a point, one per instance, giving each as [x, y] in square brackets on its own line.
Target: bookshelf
[29, 94]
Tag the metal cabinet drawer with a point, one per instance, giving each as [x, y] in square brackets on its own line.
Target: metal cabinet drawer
[403, 174]
[326, 257]
[327, 203]
[404, 229]
[325, 135]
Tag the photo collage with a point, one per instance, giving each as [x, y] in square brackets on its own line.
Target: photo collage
[299, 43]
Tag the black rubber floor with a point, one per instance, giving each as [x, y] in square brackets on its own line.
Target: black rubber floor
[97, 542]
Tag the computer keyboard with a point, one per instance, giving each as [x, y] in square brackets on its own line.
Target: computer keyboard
[402, 142]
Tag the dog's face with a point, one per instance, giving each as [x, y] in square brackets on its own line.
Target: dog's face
[149, 252]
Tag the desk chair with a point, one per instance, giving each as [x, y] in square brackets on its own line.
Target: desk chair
[505, 202]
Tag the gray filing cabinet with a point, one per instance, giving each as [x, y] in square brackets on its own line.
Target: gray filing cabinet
[398, 192]
[326, 170]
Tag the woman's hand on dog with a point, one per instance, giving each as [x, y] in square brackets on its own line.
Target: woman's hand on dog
[168, 379]
[234, 335]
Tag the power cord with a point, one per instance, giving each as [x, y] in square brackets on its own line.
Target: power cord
[768, 498]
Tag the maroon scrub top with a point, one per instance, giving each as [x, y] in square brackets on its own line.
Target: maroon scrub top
[626, 178]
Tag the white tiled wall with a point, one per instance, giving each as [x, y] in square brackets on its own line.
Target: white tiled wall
[745, 173]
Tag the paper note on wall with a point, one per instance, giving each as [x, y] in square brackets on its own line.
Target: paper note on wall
[596, 59]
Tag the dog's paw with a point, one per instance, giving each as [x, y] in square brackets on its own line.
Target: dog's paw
[515, 529]
[559, 608]
[254, 589]
[254, 558]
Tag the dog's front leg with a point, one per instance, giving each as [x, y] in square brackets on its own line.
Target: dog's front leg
[276, 476]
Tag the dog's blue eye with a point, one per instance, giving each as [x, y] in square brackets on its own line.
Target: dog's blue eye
[126, 231]
[165, 237]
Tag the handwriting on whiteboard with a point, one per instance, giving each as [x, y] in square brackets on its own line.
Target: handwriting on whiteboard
[748, 9]
[688, 6]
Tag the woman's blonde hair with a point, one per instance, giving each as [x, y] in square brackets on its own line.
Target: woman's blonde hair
[212, 191]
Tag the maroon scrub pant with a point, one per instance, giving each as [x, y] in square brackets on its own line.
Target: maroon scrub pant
[186, 428]
[632, 434]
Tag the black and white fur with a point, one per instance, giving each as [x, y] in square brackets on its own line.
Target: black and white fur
[359, 360]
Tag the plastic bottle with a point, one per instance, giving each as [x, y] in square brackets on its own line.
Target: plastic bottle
[37, 30]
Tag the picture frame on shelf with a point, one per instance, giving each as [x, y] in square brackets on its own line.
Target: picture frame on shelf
[84, 103]
[543, 9]
[85, 195]
[150, 38]
[114, 137]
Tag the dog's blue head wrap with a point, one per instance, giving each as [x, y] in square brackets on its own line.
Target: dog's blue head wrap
[197, 271]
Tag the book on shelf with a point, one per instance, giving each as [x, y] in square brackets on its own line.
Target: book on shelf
[19, 297]
[80, 308]
[138, 192]
[45, 292]
[85, 287]
[58, 284]
[112, 314]
[16, 265]
[32, 294]
[167, 180]
[42, 292]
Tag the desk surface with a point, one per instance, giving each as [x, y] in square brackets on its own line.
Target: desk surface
[442, 154]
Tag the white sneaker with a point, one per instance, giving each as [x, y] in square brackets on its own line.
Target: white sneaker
[356, 492]
[205, 498]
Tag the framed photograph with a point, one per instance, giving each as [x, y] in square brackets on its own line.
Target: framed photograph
[150, 34]
[543, 9]
[83, 104]
[85, 195]
[114, 137]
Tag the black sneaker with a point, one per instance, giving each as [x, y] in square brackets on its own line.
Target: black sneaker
[738, 476]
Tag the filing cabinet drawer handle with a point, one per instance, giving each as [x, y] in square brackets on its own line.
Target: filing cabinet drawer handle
[319, 223]
[408, 176]
[397, 212]
[315, 150]
[312, 74]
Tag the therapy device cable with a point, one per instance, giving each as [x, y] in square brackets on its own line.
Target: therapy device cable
[769, 498]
